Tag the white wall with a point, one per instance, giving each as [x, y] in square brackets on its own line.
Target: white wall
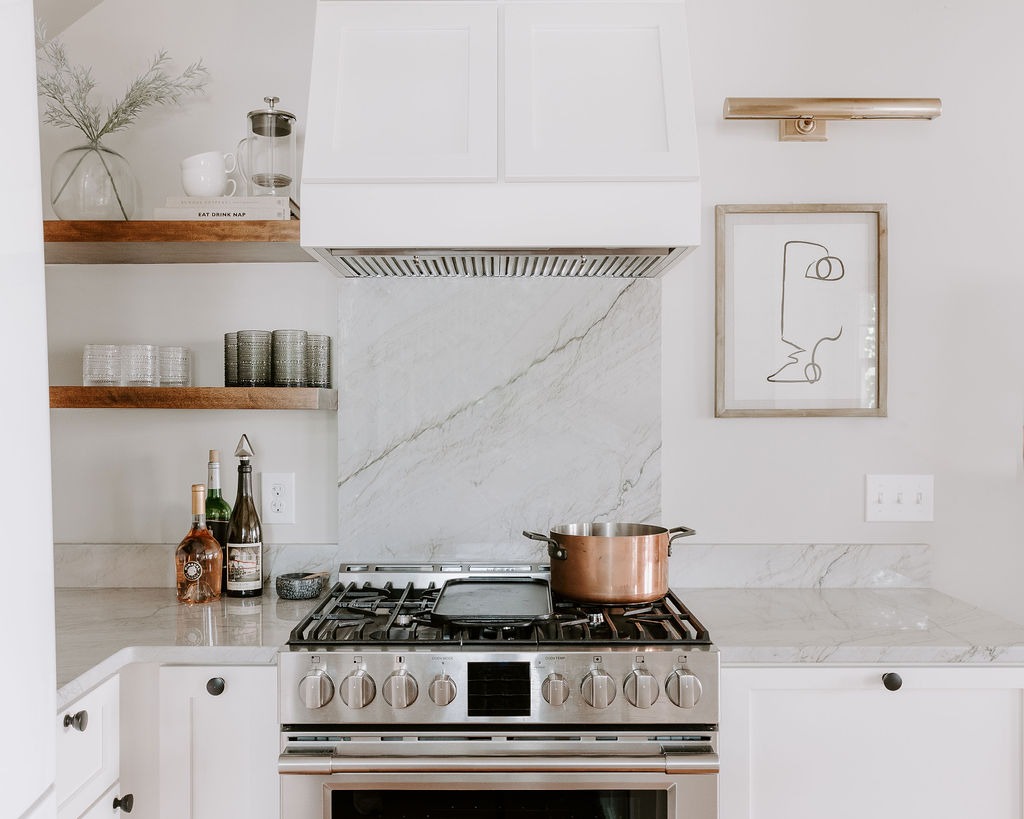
[27, 768]
[952, 186]
[955, 282]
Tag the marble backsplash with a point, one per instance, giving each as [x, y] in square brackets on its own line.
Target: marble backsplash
[697, 566]
[471, 410]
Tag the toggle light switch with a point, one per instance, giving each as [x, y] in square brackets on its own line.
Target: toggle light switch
[899, 497]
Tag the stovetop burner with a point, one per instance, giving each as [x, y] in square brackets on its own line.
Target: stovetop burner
[402, 614]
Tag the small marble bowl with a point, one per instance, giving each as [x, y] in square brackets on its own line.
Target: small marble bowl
[300, 585]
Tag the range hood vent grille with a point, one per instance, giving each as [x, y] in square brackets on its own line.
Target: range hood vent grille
[618, 263]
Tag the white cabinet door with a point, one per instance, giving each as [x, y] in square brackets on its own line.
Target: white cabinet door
[218, 752]
[813, 742]
[598, 91]
[87, 749]
[413, 94]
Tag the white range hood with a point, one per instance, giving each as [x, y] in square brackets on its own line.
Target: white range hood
[493, 138]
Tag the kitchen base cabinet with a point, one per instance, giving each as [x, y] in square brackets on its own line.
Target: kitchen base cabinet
[219, 740]
[812, 742]
[87, 749]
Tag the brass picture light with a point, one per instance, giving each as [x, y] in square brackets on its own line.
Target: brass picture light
[803, 118]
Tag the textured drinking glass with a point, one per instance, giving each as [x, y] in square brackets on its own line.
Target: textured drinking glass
[175, 367]
[101, 365]
[318, 361]
[139, 365]
[231, 359]
[289, 358]
[254, 358]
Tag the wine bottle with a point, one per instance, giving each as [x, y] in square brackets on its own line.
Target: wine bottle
[218, 510]
[198, 558]
[245, 534]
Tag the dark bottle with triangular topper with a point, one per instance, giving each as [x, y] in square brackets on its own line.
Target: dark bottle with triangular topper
[244, 551]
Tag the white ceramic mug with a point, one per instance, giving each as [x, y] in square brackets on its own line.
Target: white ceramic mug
[214, 160]
[206, 174]
[206, 182]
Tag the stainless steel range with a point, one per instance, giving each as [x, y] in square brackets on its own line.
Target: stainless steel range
[449, 690]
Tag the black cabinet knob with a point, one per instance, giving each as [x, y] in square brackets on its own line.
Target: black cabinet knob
[892, 681]
[79, 721]
[215, 685]
[125, 803]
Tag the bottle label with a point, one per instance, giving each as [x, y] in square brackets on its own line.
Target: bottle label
[245, 566]
[192, 570]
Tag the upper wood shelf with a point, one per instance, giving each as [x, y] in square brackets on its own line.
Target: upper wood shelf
[246, 398]
[178, 242]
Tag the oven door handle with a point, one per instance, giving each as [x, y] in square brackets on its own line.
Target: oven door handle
[323, 764]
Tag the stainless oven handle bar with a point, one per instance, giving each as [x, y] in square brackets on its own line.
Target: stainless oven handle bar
[322, 765]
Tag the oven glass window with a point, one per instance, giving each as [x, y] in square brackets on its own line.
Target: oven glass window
[488, 804]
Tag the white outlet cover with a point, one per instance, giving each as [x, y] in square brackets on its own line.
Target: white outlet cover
[277, 497]
[899, 498]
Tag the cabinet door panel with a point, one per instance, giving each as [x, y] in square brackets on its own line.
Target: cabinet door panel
[87, 761]
[218, 753]
[598, 91]
[413, 96]
[807, 743]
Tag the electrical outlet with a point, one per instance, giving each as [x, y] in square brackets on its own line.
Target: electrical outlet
[277, 496]
[899, 497]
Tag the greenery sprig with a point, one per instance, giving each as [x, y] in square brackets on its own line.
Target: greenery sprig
[66, 89]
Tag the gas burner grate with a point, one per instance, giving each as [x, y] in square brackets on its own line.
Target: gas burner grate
[401, 615]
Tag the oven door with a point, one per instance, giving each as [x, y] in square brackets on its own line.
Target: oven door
[465, 780]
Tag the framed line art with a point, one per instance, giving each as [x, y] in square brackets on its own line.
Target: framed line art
[800, 310]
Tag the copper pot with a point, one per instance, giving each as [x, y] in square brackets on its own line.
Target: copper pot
[610, 562]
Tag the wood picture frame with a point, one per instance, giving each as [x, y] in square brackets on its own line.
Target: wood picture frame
[800, 310]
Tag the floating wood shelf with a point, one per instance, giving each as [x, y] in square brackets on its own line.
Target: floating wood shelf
[191, 398]
[177, 242]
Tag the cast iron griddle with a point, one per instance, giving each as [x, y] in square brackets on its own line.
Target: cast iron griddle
[492, 600]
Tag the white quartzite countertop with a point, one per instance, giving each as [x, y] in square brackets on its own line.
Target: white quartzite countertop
[101, 630]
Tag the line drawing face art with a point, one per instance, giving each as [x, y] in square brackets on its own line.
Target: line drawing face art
[812, 281]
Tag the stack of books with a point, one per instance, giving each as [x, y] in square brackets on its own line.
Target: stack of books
[227, 208]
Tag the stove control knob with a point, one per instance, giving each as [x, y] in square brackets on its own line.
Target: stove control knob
[555, 689]
[442, 689]
[598, 689]
[316, 689]
[358, 689]
[400, 689]
[641, 688]
[683, 688]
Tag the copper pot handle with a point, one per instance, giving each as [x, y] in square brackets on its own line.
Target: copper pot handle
[555, 550]
[676, 532]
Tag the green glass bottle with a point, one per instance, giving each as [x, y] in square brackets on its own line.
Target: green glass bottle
[218, 510]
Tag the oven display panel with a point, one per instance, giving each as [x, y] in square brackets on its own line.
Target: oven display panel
[498, 689]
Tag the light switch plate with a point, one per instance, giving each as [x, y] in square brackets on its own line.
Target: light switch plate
[899, 497]
[277, 497]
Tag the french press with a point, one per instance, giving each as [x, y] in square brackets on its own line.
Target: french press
[267, 154]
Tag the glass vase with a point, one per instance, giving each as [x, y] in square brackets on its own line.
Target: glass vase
[92, 182]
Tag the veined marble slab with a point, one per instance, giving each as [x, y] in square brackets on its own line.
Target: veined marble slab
[101, 630]
[816, 566]
[470, 413]
[89, 565]
[858, 626]
[151, 565]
